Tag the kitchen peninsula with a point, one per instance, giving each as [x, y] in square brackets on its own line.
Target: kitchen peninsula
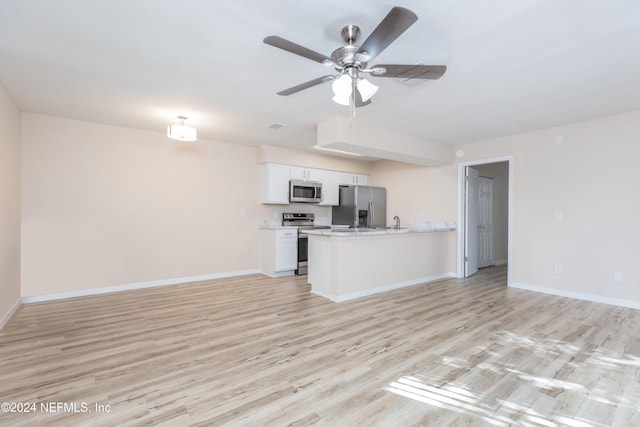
[348, 264]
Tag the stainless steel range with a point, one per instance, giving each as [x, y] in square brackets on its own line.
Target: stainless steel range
[302, 221]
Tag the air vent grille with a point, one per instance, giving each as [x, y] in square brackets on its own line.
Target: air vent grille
[276, 126]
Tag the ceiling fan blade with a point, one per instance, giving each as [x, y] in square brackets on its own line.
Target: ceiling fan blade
[306, 85]
[408, 72]
[397, 21]
[296, 49]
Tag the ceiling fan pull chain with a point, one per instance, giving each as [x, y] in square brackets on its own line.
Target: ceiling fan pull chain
[352, 98]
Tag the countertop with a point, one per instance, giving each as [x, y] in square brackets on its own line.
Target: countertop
[351, 232]
[278, 227]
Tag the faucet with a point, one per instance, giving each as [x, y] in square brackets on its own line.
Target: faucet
[397, 220]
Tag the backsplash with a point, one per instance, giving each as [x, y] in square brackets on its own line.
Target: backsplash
[322, 213]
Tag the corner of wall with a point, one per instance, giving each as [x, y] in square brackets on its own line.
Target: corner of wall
[10, 200]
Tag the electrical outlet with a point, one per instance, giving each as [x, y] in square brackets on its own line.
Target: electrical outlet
[557, 269]
[617, 276]
[392, 265]
[557, 215]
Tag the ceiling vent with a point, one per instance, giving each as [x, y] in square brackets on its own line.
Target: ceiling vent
[276, 126]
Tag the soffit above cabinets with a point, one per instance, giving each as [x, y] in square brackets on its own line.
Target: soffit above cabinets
[367, 140]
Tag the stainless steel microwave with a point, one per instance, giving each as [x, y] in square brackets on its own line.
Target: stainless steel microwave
[305, 191]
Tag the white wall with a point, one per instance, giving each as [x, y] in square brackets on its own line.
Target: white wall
[591, 178]
[417, 193]
[105, 206]
[9, 205]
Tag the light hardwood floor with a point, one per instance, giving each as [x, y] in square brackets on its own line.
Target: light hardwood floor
[257, 351]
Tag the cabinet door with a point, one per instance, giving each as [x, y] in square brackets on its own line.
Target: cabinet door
[299, 173]
[330, 188]
[353, 179]
[287, 253]
[359, 179]
[306, 174]
[275, 184]
[315, 174]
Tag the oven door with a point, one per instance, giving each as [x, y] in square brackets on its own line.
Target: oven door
[303, 252]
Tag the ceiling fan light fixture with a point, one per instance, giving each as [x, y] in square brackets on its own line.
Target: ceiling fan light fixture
[342, 100]
[342, 89]
[366, 89]
[181, 132]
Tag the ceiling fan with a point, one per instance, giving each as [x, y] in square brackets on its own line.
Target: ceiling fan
[352, 60]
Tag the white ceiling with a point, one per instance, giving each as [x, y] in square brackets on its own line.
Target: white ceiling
[513, 66]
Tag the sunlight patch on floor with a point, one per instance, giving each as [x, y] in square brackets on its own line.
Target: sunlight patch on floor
[521, 380]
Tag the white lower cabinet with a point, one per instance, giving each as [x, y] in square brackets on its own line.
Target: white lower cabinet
[279, 251]
[286, 250]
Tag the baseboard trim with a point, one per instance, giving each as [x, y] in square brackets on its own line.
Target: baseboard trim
[8, 314]
[135, 286]
[577, 295]
[280, 274]
[385, 288]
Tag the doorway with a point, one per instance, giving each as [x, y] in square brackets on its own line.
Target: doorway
[484, 215]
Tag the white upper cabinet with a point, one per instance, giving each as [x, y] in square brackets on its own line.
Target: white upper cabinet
[361, 179]
[306, 174]
[275, 184]
[330, 188]
[353, 179]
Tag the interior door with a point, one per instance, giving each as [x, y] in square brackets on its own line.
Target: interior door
[485, 223]
[471, 214]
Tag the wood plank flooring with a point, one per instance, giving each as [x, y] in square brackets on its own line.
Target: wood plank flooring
[257, 351]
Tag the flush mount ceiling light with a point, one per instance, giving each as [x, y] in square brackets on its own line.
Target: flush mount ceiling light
[181, 132]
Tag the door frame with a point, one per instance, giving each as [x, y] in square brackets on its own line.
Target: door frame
[471, 205]
[461, 232]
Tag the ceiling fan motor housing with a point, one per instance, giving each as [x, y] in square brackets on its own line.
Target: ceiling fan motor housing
[348, 56]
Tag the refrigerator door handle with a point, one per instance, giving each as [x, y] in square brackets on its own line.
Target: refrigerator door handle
[373, 214]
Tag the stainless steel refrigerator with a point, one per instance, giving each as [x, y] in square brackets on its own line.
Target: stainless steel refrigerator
[361, 206]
